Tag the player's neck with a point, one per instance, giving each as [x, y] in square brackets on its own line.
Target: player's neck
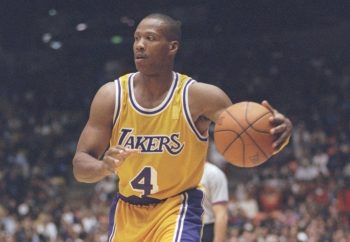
[155, 84]
[150, 90]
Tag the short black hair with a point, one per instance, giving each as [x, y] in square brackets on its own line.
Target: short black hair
[174, 26]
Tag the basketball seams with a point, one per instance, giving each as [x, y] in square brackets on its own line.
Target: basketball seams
[256, 144]
[238, 134]
[233, 141]
[250, 125]
[243, 146]
[243, 117]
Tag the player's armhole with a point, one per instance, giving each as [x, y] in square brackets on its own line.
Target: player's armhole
[117, 108]
[187, 112]
[118, 98]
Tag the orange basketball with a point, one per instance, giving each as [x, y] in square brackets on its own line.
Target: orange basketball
[242, 134]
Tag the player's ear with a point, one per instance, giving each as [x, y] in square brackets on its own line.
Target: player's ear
[174, 46]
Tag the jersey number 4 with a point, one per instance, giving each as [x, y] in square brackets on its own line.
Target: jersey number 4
[145, 181]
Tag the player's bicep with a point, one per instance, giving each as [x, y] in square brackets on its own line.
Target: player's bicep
[93, 140]
[220, 102]
[96, 134]
[212, 100]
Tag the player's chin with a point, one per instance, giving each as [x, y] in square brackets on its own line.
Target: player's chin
[145, 69]
[140, 66]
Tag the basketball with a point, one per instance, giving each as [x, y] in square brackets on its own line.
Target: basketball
[242, 134]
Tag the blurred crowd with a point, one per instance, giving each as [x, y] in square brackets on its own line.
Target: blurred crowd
[301, 194]
[296, 196]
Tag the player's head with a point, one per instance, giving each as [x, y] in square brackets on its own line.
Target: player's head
[173, 27]
[156, 42]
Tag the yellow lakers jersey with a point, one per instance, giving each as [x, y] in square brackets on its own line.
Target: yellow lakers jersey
[172, 150]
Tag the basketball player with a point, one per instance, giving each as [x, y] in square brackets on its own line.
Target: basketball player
[215, 204]
[150, 128]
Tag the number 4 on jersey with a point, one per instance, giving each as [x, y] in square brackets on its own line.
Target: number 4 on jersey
[145, 181]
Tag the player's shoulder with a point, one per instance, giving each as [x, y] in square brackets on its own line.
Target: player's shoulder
[206, 91]
[198, 86]
[109, 88]
[106, 90]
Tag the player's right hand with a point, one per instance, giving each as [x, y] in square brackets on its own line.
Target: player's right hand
[115, 156]
[282, 128]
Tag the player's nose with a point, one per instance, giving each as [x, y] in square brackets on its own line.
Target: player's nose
[139, 45]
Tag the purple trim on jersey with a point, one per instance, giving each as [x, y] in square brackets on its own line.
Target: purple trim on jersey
[181, 218]
[187, 111]
[158, 109]
[112, 223]
[134, 200]
[117, 112]
[190, 225]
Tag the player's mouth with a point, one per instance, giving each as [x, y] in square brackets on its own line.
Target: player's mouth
[140, 56]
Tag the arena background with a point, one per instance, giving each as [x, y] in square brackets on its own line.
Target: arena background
[54, 55]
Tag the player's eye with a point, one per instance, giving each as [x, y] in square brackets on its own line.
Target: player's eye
[150, 37]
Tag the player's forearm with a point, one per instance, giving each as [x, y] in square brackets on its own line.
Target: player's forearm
[220, 227]
[88, 169]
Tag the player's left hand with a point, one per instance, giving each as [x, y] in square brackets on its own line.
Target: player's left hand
[282, 127]
[114, 157]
